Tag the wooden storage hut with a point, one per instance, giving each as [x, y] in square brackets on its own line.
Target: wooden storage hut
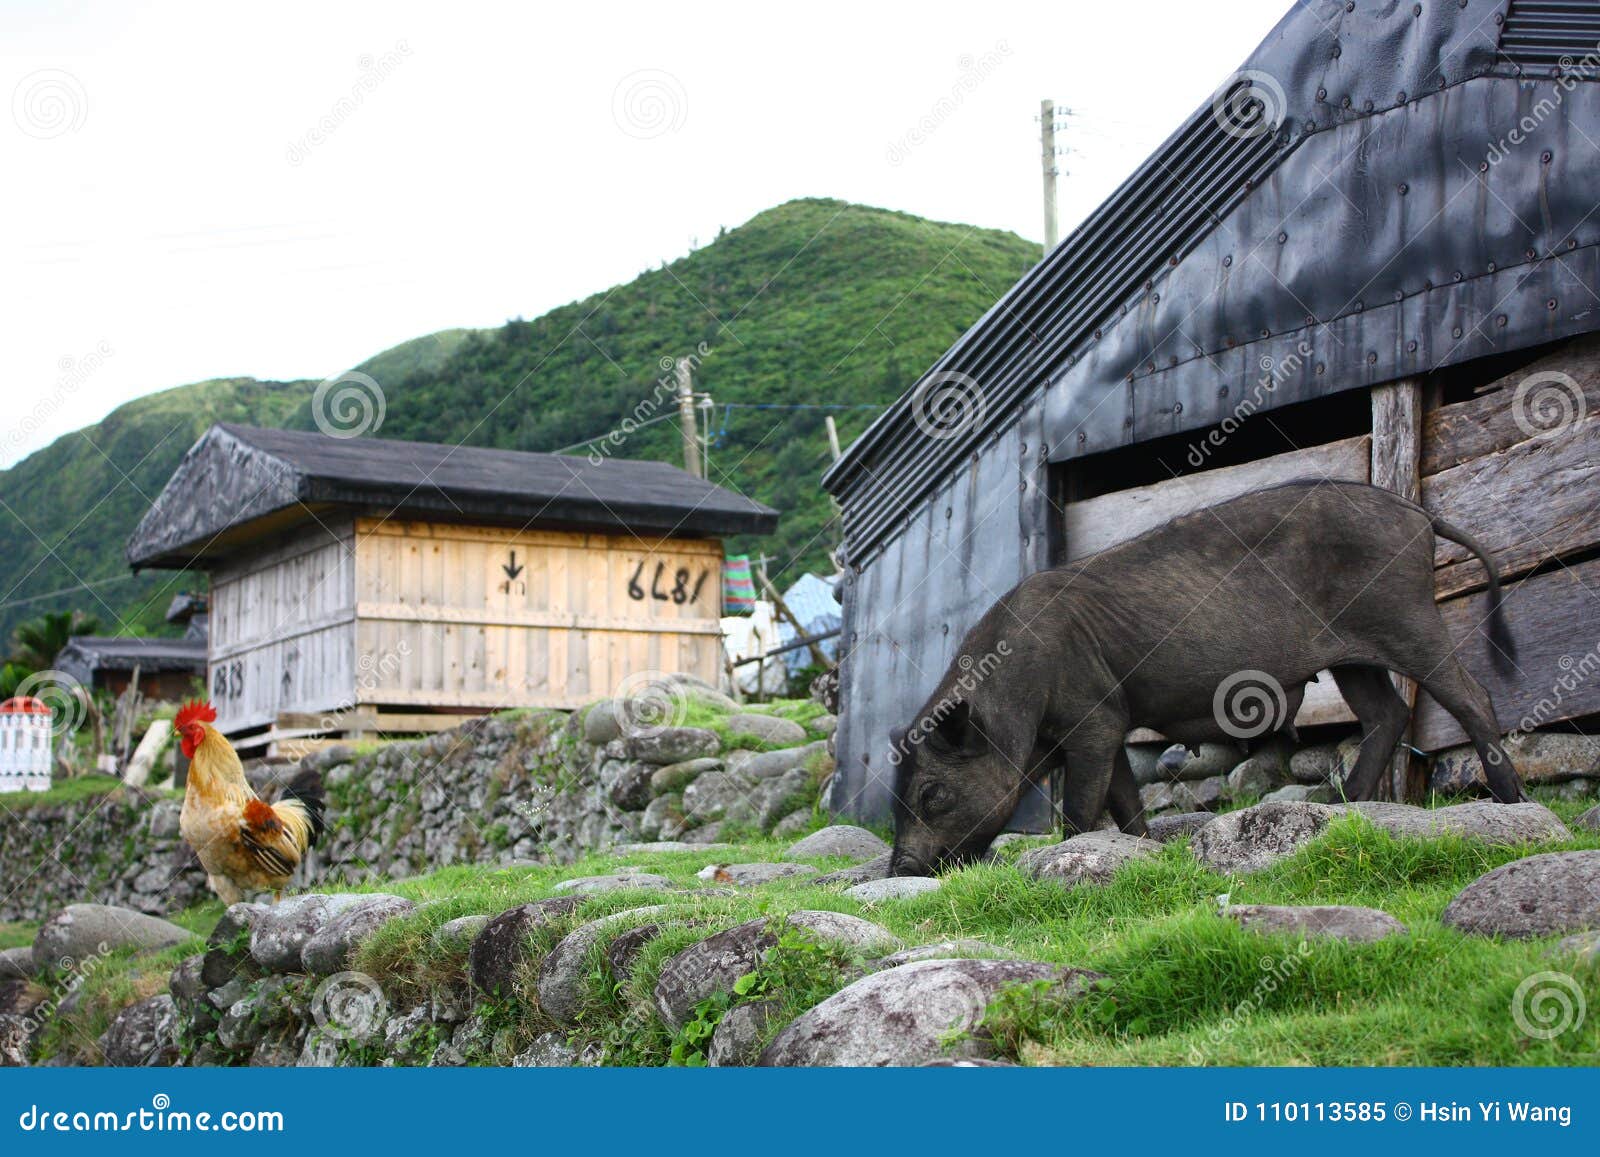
[1373, 255]
[360, 584]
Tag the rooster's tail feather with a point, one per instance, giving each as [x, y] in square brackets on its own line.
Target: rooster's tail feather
[306, 787]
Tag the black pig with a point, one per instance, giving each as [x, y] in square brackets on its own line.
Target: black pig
[1206, 628]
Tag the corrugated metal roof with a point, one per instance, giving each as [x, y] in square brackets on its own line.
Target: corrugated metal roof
[238, 479]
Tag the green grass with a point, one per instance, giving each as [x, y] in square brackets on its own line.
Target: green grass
[62, 791]
[1182, 985]
[17, 935]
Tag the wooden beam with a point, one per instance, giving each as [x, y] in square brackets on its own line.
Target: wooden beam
[1094, 524]
[1396, 466]
[1554, 619]
[1527, 504]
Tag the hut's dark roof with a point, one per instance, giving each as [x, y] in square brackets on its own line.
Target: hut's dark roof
[84, 655]
[238, 482]
[1421, 193]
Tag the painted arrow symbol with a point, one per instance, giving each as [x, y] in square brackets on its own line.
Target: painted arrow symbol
[511, 568]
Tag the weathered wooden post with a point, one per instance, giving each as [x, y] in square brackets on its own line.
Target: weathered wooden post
[1397, 466]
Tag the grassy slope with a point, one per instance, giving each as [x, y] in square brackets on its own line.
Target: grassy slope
[813, 301]
[69, 508]
[1184, 986]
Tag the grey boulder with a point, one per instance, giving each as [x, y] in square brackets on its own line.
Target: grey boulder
[1163, 829]
[672, 744]
[502, 945]
[843, 840]
[892, 888]
[737, 1039]
[876, 868]
[143, 1035]
[710, 967]
[615, 882]
[1539, 757]
[1332, 921]
[1257, 837]
[767, 729]
[1090, 858]
[1482, 820]
[752, 875]
[1555, 893]
[281, 932]
[16, 963]
[564, 973]
[331, 947]
[1589, 821]
[81, 932]
[925, 1011]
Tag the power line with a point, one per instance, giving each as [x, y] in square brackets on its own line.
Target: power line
[121, 578]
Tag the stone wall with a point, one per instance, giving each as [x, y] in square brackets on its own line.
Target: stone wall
[537, 786]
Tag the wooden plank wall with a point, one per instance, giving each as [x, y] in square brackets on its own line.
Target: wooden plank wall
[1518, 468]
[282, 628]
[456, 616]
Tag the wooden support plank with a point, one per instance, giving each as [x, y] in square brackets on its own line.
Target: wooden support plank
[1489, 422]
[1396, 466]
[1094, 524]
[569, 620]
[1554, 619]
[1526, 505]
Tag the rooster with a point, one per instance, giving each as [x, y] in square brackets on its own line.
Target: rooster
[244, 843]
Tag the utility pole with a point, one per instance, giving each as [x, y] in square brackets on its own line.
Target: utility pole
[686, 420]
[1047, 156]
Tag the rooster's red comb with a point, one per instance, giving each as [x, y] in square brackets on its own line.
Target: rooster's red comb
[197, 711]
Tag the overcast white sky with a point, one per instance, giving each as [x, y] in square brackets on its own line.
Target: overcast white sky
[164, 203]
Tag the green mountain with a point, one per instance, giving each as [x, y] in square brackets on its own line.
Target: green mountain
[813, 304]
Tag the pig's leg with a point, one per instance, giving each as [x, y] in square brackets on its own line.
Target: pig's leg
[1383, 717]
[1464, 697]
[1091, 759]
[1123, 797]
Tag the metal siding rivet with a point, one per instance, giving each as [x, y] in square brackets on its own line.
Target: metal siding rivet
[1155, 298]
[1082, 437]
[1360, 305]
[1319, 369]
[1411, 347]
[1344, 102]
[1483, 166]
[946, 628]
[1500, 321]
[1545, 156]
[1177, 407]
[1282, 237]
[1401, 98]
[1492, 267]
[1322, 94]
[1366, 106]
[1227, 261]
[1551, 304]
[1222, 391]
[1529, 254]
[1266, 333]
[1404, 188]
[1499, 19]
[1455, 331]
[1416, 10]
[1572, 243]
[1336, 51]
[1456, 276]
[1399, 295]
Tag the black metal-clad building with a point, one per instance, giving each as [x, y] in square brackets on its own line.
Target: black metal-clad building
[1383, 193]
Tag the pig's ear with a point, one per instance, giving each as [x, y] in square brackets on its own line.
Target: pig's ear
[959, 732]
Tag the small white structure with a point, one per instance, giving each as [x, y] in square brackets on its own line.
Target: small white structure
[25, 745]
